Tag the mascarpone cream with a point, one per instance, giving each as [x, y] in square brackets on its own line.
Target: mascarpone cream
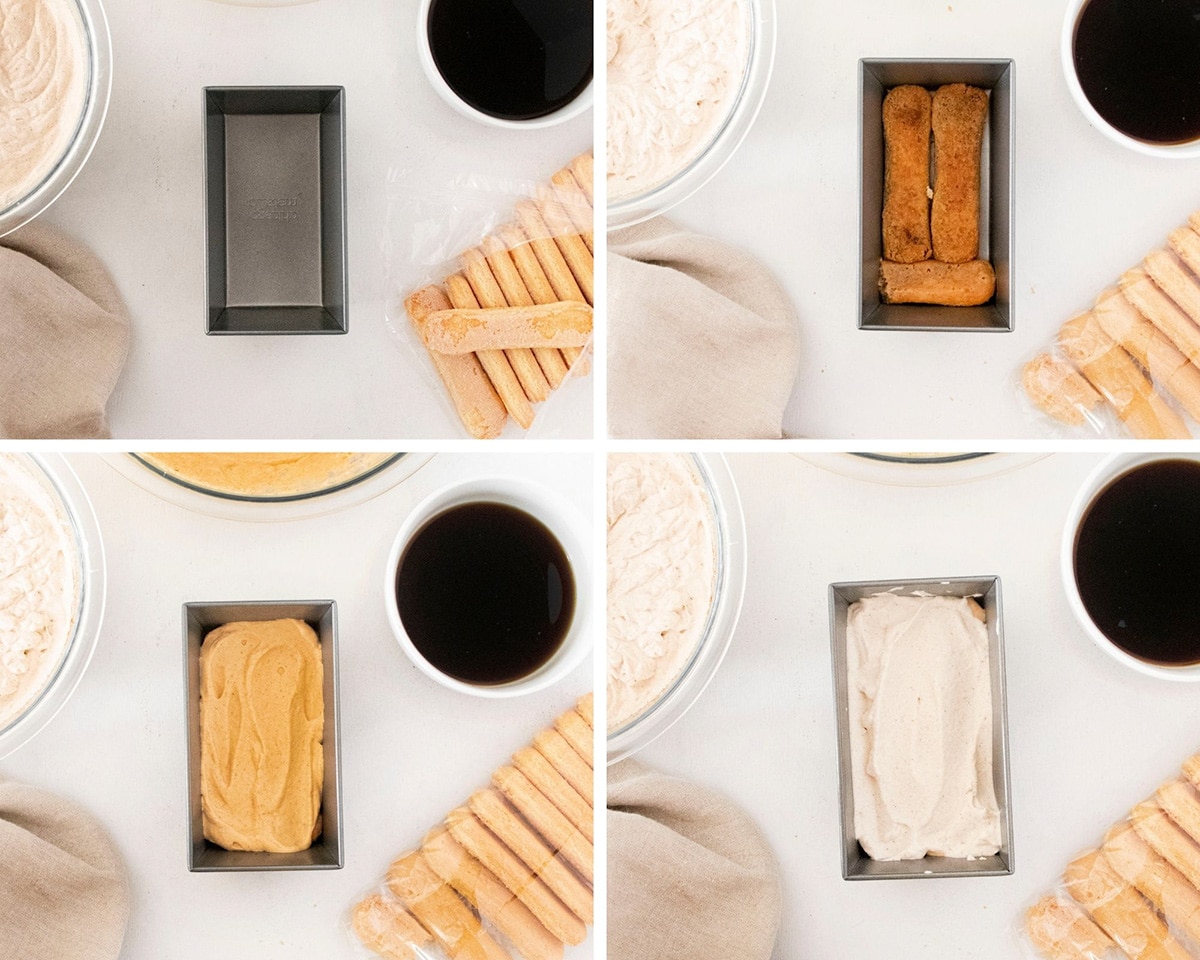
[921, 728]
[43, 87]
[39, 587]
[674, 71]
[661, 568]
[262, 720]
[266, 474]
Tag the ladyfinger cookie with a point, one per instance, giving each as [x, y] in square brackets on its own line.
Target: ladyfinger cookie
[1060, 930]
[959, 115]
[560, 324]
[1058, 389]
[562, 756]
[1141, 290]
[539, 771]
[1182, 805]
[1186, 244]
[517, 294]
[584, 707]
[414, 882]
[906, 126]
[576, 731]
[1120, 910]
[491, 808]
[931, 281]
[560, 834]
[1158, 881]
[489, 295]
[1167, 367]
[494, 362]
[1111, 371]
[1191, 770]
[1167, 840]
[475, 399]
[1175, 280]
[494, 901]
[384, 926]
[510, 870]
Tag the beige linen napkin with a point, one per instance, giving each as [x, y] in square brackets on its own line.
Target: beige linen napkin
[702, 341]
[689, 875]
[63, 890]
[64, 334]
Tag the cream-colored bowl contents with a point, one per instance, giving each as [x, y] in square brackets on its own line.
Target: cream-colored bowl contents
[43, 89]
[919, 678]
[674, 71]
[39, 587]
[265, 474]
[661, 577]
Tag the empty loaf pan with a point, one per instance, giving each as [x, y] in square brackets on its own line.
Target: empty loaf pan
[856, 865]
[275, 195]
[996, 240]
[326, 851]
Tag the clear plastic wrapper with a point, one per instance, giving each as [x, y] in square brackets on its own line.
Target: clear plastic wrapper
[499, 316]
[508, 874]
[1137, 894]
[1130, 365]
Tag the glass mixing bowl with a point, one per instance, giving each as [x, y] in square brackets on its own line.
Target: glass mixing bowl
[729, 588]
[374, 480]
[58, 479]
[95, 106]
[627, 211]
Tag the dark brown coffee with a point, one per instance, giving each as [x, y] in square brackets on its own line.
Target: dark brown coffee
[513, 59]
[1138, 62]
[1137, 561]
[485, 593]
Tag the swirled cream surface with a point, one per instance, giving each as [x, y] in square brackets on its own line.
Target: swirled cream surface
[43, 86]
[39, 587]
[674, 71]
[262, 720]
[661, 569]
[921, 728]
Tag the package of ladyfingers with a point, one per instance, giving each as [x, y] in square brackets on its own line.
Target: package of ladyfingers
[491, 285]
[1130, 365]
[1136, 894]
[507, 874]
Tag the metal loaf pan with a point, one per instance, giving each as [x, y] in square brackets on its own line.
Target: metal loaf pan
[326, 851]
[275, 199]
[996, 235]
[856, 865]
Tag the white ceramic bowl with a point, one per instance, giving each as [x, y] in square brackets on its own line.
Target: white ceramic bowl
[579, 105]
[1177, 151]
[59, 480]
[560, 518]
[1109, 469]
[95, 106]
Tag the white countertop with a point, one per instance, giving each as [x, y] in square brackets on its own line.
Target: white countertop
[139, 203]
[1089, 737]
[411, 749]
[1086, 210]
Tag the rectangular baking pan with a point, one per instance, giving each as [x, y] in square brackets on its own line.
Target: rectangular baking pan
[856, 865]
[326, 851]
[996, 234]
[275, 198]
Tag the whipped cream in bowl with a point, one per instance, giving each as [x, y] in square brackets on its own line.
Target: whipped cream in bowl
[686, 79]
[676, 576]
[52, 584]
[55, 81]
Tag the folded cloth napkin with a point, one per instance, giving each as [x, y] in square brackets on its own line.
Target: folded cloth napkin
[63, 890]
[64, 334]
[689, 875]
[702, 341]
